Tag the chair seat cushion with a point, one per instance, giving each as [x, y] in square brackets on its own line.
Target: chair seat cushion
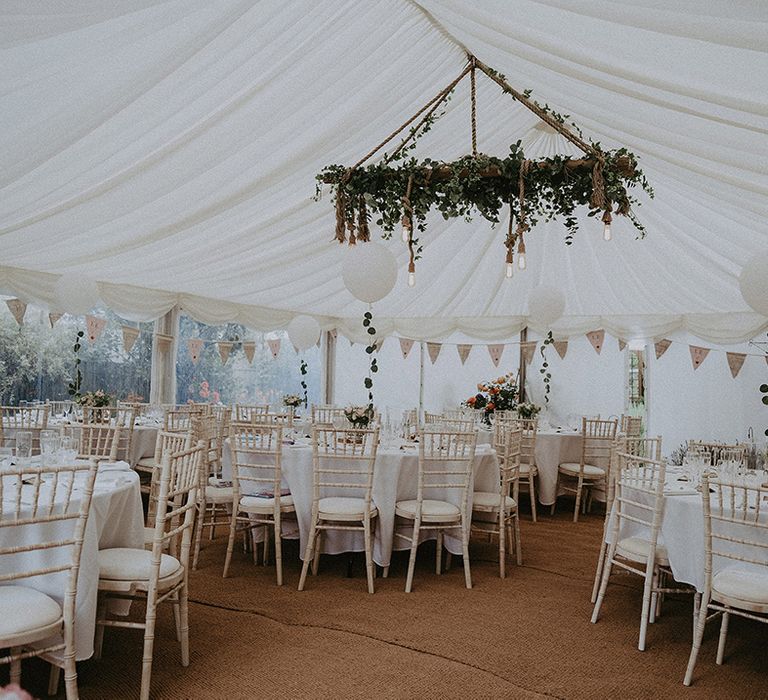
[526, 469]
[339, 505]
[735, 582]
[255, 504]
[24, 609]
[429, 509]
[636, 549]
[488, 500]
[126, 564]
[219, 494]
[590, 471]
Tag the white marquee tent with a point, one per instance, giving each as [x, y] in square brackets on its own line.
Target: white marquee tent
[168, 149]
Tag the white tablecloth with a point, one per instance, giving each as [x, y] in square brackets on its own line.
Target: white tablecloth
[395, 478]
[143, 443]
[116, 519]
[552, 449]
[682, 531]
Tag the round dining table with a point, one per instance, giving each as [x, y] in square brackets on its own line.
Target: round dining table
[115, 519]
[395, 478]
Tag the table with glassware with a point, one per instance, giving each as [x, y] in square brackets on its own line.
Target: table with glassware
[682, 525]
[115, 520]
[395, 478]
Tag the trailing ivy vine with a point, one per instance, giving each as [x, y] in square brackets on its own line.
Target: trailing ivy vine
[370, 349]
[74, 386]
[303, 370]
[545, 372]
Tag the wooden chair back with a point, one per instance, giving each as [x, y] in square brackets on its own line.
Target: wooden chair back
[166, 443]
[597, 437]
[256, 454]
[631, 426]
[343, 460]
[509, 451]
[249, 412]
[445, 464]
[325, 414]
[99, 441]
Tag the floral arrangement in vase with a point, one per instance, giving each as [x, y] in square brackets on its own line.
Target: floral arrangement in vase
[495, 395]
[359, 416]
[528, 410]
[94, 399]
[292, 400]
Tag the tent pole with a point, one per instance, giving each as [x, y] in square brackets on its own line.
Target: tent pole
[521, 370]
[328, 361]
[421, 380]
[163, 374]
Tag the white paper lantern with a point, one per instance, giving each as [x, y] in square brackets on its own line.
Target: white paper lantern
[303, 332]
[545, 305]
[753, 282]
[75, 294]
[369, 271]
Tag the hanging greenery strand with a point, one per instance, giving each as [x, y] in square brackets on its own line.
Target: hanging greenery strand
[370, 349]
[478, 183]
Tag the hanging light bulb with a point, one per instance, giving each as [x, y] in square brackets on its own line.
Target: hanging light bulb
[411, 274]
[521, 261]
[510, 269]
[607, 235]
[406, 234]
[407, 227]
[510, 260]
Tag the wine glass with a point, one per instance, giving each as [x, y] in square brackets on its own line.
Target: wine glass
[23, 445]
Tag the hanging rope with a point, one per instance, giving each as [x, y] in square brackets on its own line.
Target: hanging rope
[363, 232]
[473, 100]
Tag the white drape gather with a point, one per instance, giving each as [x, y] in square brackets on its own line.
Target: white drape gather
[168, 149]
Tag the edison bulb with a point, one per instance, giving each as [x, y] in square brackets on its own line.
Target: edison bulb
[521, 261]
[411, 279]
[510, 269]
[607, 235]
[406, 234]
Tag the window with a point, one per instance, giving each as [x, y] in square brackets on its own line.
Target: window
[265, 380]
[37, 361]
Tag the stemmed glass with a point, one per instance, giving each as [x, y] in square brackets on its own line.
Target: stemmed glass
[23, 445]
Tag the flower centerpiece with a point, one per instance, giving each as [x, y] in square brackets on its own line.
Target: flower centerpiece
[292, 400]
[359, 416]
[93, 402]
[528, 410]
[496, 395]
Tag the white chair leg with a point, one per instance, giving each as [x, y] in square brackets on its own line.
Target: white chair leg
[16, 666]
[503, 533]
[184, 625]
[278, 554]
[532, 494]
[439, 553]
[101, 614]
[465, 553]
[697, 637]
[230, 543]
[53, 679]
[721, 639]
[645, 614]
[518, 540]
[308, 556]
[385, 572]
[604, 583]
[318, 550]
[412, 557]
[177, 615]
[579, 496]
[149, 645]
[70, 678]
[198, 532]
[368, 554]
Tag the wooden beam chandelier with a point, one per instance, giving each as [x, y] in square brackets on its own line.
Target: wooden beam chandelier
[400, 190]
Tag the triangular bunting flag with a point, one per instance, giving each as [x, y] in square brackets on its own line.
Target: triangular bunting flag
[735, 362]
[698, 355]
[380, 343]
[319, 339]
[561, 346]
[163, 342]
[274, 346]
[195, 347]
[622, 344]
[17, 307]
[463, 351]
[225, 347]
[527, 350]
[496, 351]
[94, 326]
[53, 317]
[596, 338]
[661, 346]
[249, 348]
[433, 349]
[129, 337]
[405, 346]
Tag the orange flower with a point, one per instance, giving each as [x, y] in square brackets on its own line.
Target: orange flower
[471, 401]
[494, 390]
[490, 406]
[481, 387]
[501, 380]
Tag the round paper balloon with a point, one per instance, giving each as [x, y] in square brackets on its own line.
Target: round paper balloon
[753, 282]
[75, 294]
[545, 305]
[303, 332]
[369, 271]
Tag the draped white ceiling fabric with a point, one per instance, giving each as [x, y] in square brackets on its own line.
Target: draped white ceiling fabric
[168, 150]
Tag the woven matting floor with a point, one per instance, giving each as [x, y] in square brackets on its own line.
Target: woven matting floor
[527, 636]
